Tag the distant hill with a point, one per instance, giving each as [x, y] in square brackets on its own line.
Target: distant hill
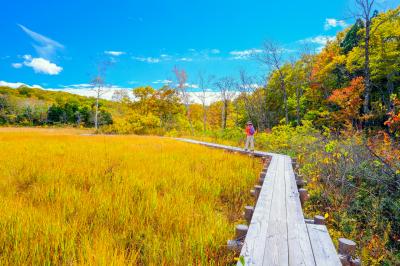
[34, 106]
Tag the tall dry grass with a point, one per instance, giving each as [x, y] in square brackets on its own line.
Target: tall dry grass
[112, 200]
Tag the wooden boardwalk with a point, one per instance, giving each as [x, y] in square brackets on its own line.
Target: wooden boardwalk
[278, 233]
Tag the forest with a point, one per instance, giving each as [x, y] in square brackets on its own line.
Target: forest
[337, 110]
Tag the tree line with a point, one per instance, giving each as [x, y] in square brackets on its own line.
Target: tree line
[35, 107]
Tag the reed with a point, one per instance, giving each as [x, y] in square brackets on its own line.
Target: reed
[117, 200]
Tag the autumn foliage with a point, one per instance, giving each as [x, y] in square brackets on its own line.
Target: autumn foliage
[393, 121]
[348, 100]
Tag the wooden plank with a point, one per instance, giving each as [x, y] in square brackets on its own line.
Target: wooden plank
[225, 147]
[276, 247]
[254, 246]
[324, 251]
[278, 234]
[300, 250]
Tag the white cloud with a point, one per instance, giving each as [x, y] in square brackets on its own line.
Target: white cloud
[321, 39]
[244, 54]
[80, 85]
[114, 53]
[41, 65]
[45, 46]
[88, 92]
[210, 96]
[333, 23]
[164, 81]
[215, 51]
[16, 65]
[16, 85]
[13, 85]
[184, 59]
[191, 86]
[151, 60]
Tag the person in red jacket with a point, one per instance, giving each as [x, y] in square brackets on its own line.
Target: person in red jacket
[250, 131]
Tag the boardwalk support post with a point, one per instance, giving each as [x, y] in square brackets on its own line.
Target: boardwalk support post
[294, 163]
[257, 190]
[241, 231]
[318, 219]
[237, 244]
[300, 182]
[303, 195]
[253, 192]
[264, 159]
[263, 173]
[248, 213]
[347, 249]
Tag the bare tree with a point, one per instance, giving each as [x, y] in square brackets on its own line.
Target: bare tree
[182, 88]
[365, 12]
[254, 100]
[272, 57]
[120, 95]
[226, 87]
[98, 83]
[204, 85]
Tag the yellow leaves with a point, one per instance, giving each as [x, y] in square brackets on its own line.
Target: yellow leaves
[326, 160]
[326, 215]
[337, 155]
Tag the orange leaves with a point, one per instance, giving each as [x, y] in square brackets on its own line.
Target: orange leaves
[349, 99]
[393, 121]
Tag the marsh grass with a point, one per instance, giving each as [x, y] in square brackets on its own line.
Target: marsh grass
[117, 200]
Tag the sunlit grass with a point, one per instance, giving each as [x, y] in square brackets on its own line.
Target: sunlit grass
[73, 199]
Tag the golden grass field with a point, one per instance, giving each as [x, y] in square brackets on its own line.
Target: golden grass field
[117, 200]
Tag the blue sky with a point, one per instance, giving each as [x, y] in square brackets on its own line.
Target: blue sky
[57, 44]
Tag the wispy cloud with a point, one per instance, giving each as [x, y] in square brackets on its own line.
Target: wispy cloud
[80, 85]
[162, 81]
[333, 23]
[184, 59]
[189, 56]
[16, 65]
[41, 65]
[244, 54]
[151, 60]
[45, 47]
[114, 53]
[320, 39]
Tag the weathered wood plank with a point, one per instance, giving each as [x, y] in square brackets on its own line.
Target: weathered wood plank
[254, 246]
[323, 249]
[276, 247]
[299, 246]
